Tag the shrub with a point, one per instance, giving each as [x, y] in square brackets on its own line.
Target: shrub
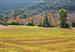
[73, 24]
[30, 24]
[14, 23]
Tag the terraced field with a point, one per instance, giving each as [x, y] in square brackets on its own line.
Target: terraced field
[37, 39]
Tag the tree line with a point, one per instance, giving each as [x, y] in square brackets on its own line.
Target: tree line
[45, 21]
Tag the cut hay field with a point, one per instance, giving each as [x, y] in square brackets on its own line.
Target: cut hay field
[36, 39]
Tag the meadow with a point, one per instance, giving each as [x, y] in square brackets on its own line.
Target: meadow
[37, 39]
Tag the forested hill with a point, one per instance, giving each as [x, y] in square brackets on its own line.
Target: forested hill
[6, 5]
[45, 5]
[53, 5]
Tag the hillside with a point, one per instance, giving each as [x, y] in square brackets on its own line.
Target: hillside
[52, 5]
[43, 7]
[7, 5]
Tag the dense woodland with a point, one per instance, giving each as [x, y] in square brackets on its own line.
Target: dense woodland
[62, 18]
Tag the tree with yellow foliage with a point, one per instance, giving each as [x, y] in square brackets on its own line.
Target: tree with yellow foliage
[50, 18]
[41, 20]
[30, 21]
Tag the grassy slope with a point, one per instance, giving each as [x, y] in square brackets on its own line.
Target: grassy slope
[37, 39]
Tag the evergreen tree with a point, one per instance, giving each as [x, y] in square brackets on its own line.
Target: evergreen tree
[46, 22]
[63, 18]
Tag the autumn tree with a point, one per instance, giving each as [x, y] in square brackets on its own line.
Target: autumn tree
[30, 21]
[17, 22]
[50, 18]
[41, 20]
[18, 19]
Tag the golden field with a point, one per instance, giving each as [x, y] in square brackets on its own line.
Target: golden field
[37, 39]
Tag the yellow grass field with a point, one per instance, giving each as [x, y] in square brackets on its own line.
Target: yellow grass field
[37, 39]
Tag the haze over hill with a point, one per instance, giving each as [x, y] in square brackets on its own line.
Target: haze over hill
[38, 7]
[54, 5]
[15, 4]
[12, 4]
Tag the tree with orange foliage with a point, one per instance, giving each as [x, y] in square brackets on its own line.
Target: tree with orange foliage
[18, 19]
